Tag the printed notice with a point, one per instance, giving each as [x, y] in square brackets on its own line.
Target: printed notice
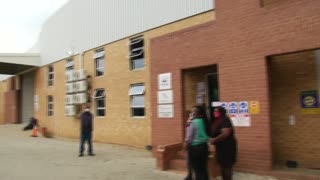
[165, 111]
[164, 81]
[165, 97]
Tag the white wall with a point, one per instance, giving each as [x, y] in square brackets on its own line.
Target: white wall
[85, 24]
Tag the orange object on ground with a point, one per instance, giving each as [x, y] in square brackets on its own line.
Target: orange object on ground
[34, 131]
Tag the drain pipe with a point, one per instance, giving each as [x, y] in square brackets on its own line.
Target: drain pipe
[81, 60]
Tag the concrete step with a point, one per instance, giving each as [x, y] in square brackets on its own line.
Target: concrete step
[178, 164]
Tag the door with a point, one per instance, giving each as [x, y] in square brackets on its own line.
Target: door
[27, 94]
[213, 90]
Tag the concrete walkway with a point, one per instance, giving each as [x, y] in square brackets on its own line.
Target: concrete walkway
[25, 158]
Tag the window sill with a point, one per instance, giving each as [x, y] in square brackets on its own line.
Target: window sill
[100, 117]
[140, 69]
[138, 117]
[102, 76]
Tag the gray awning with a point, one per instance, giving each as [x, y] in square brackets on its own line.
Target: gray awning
[16, 63]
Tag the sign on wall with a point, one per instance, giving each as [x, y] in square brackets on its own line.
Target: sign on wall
[164, 81]
[233, 107]
[201, 88]
[237, 111]
[309, 102]
[254, 107]
[241, 120]
[165, 111]
[243, 107]
[165, 97]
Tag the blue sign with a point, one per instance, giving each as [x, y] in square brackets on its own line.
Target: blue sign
[243, 107]
[309, 99]
[224, 105]
[233, 107]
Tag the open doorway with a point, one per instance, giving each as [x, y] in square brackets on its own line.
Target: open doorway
[295, 111]
[200, 87]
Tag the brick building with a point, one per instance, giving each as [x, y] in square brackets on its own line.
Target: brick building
[264, 51]
[111, 46]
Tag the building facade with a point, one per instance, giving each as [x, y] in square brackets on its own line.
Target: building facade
[261, 57]
[112, 48]
[145, 70]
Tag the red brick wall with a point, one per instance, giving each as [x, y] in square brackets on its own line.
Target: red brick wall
[240, 38]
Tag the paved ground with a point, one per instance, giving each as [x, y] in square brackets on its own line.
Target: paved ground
[25, 158]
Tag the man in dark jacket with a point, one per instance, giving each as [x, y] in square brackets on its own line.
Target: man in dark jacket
[86, 131]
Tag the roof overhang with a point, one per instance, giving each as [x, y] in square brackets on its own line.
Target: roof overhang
[17, 63]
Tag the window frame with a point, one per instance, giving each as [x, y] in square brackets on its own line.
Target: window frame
[140, 94]
[50, 81]
[50, 112]
[96, 99]
[99, 55]
[68, 66]
[135, 52]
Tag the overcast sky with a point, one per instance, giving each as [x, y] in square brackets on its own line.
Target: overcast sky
[21, 20]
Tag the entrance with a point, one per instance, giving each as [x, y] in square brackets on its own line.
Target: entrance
[295, 111]
[200, 88]
[27, 96]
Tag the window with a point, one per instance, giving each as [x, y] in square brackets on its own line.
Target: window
[99, 98]
[99, 61]
[50, 75]
[137, 52]
[136, 93]
[69, 65]
[50, 105]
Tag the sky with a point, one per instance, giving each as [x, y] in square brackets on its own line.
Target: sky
[21, 21]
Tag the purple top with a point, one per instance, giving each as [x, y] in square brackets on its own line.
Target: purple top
[190, 133]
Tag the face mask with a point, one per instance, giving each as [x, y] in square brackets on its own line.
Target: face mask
[87, 109]
[216, 114]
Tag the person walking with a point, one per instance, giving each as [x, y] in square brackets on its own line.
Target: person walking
[222, 133]
[196, 141]
[86, 131]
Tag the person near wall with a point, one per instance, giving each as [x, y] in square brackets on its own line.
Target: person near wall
[86, 131]
[33, 122]
[189, 175]
[196, 143]
[222, 136]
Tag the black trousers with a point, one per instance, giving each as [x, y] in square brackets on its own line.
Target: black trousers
[198, 158]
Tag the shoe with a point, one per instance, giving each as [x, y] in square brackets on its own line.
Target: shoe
[80, 155]
[91, 154]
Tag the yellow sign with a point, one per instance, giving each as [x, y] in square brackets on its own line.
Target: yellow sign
[254, 107]
[311, 111]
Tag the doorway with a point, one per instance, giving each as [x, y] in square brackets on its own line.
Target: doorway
[200, 87]
[295, 112]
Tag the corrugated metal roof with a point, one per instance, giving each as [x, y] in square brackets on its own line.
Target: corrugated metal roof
[85, 24]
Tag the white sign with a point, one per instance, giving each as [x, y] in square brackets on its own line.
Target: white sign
[165, 111]
[165, 97]
[215, 104]
[241, 120]
[201, 88]
[222, 104]
[233, 107]
[199, 99]
[243, 107]
[164, 81]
